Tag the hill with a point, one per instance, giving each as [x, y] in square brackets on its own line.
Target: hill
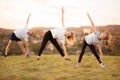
[35, 40]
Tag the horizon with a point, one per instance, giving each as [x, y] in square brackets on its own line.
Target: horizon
[113, 25]
[47, 13]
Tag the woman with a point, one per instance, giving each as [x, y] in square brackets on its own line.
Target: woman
[54, 35]
[17, 35]
[93, 40]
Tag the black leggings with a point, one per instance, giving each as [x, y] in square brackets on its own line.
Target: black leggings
[92, 47]
[48, 36]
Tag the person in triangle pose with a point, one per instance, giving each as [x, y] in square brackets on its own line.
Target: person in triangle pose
[18, 35]
[94, 40]
[57, 34]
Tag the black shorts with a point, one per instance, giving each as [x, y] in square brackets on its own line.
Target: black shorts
[14, 38]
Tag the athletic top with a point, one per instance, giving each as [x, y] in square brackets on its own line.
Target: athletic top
[93, 38]
[59, 33]
[22, 33]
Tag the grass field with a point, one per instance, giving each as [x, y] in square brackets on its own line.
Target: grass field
[53, 67]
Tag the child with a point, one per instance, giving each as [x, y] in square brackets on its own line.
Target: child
[54, 35]
[93, 40]
[17, 35]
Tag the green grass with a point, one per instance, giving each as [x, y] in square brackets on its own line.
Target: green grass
[53, 67]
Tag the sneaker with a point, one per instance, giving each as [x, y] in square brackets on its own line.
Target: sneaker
[38, 57]
[5, 55]
[102, 65]
[77, 64]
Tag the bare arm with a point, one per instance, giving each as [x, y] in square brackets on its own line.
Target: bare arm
[99, 46]
[62, 17]
[64, 49]
[92, 23]
[28, 19]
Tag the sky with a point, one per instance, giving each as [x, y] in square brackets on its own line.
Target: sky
[47, 13]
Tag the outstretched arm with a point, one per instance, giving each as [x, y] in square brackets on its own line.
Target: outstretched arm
[100, 51]
[62, 17]
[28, 19]
[99, 46]
[92, 23]
[64, 50]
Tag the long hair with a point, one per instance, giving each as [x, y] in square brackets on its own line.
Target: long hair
[71, 39]
[107, 38]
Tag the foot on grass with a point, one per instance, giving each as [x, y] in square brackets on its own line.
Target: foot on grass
[68, 59]
[27, 55]
[5, 55]
[38, 57]
[102, 65]
[77, 64]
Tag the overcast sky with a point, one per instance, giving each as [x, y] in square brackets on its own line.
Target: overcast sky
[13, 13]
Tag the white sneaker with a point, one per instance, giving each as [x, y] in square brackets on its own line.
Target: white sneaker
[78, 64]
[102, 65]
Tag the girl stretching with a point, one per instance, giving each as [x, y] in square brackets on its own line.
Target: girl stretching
[93, 40]
[54, 35]
[17, 36]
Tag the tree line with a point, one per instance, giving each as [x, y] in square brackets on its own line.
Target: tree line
[112, 48]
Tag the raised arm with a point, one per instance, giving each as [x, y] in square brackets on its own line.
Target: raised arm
[28, 19]
[92, 23]
[62, 17]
